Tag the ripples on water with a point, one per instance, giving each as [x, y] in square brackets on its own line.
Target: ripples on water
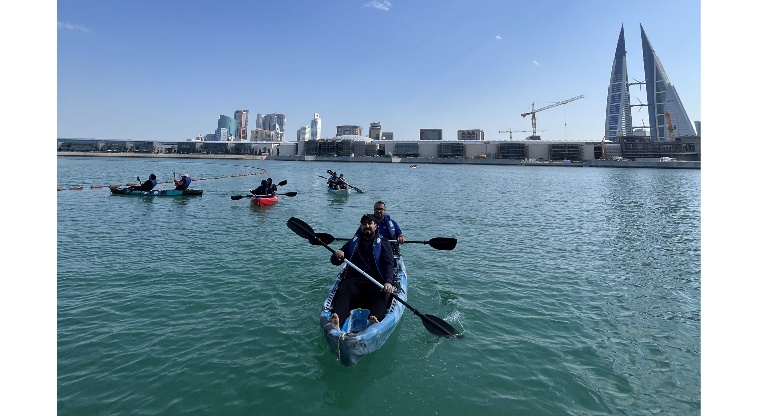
[577, 289]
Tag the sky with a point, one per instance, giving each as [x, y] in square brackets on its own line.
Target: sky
[166, 70]
[149, 70]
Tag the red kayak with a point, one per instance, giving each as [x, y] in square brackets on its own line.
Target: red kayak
[264, 200]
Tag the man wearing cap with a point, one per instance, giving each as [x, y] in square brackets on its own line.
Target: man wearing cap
[183, 183]
[373, 255]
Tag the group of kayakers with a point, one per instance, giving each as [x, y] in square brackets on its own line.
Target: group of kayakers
[370, 250]
[337, 182]
[266, 188]
[149, 184]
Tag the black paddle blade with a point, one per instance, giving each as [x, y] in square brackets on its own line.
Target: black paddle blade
[325, 238]
[438, 326]
[304, 230]
[290, 193]
[283, 183]
[443, 243]
[239, 197]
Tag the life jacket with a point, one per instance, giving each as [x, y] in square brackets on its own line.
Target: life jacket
[390, 226]
[376, 251]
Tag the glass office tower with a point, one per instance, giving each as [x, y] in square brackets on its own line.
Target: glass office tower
[663, 103]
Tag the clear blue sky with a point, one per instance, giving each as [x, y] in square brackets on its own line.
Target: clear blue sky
[165, 70]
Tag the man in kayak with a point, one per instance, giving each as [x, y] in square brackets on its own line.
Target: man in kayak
[387, 227]
[341, 183]
[333, 180]
[373, 255]
[183, 183]
[261, 190]
[271, 188]
[147, 185]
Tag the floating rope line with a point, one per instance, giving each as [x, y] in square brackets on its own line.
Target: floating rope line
[261, 171]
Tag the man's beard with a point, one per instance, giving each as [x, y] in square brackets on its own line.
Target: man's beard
[368, 232]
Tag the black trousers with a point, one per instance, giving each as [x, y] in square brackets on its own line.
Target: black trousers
[359, 293]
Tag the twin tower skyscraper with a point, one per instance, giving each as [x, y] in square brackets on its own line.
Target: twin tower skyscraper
[667, 116]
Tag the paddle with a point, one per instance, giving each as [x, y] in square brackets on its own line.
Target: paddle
[440, 243]
[432, 323]
[238, 197]
[359, 191]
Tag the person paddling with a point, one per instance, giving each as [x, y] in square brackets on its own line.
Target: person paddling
[147, 185]
[183, 183]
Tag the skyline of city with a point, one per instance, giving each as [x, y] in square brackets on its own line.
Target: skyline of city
[407, 66]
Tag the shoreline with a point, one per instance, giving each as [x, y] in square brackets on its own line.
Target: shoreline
[395, 159]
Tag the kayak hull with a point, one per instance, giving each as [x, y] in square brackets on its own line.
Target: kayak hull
[262, 201]
[155, 192]
[350, 347]
[338, 192]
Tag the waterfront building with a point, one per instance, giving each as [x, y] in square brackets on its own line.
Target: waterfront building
[303, 134]
[261, 135]
[387, 135]
[431, 134]
[228, 123]
[668, 118]
[316, 127]
[618, 118]
[375, 130]
[222, 134]
[241, 118]
[348, 130]
[474, 134]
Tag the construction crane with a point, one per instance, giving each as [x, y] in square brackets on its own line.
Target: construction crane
[513, 131]
[533, 111]
[670, 126]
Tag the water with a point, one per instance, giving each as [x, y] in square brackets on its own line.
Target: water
[577, 290]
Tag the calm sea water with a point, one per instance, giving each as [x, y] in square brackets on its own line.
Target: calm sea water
[577, 289]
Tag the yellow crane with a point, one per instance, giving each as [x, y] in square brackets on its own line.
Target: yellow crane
[533, 111]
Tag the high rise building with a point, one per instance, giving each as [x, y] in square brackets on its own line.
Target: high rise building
[241, 118]
[618, 119]
[668, 117]
[227, 123]
[272, 122]
[303, 134]
[316, 127]
[666, 113]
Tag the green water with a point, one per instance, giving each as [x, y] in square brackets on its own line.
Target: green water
[577, 291]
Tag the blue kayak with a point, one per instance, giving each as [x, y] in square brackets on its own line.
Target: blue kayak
[356, 338]
[154, 192]
[338, 191]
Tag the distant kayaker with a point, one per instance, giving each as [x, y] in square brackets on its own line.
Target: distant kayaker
[183, 183]
[147, 185]
[373, 255]
[261, 190]
[333, 180]
[341, 183]
[271, 188]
